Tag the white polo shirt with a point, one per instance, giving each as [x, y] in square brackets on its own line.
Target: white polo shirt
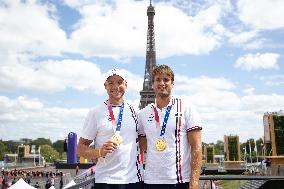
[123, 165]
[172, 165]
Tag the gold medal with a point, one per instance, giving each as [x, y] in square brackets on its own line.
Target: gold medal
[117, 139]
[161, 144]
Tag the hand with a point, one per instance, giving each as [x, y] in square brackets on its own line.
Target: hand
[108, 147]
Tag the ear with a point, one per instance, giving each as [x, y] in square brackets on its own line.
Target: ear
[105, 84]
[125, 84]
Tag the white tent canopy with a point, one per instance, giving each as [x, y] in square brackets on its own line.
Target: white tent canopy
[71, 183]
[20, 184]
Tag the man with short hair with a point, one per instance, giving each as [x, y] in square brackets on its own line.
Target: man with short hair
[172, 129]
[113, 128]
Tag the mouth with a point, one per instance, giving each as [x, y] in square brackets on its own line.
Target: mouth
[115, 92]
[162, 88]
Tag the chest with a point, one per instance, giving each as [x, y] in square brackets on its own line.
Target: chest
[126, 124]
[155, 125]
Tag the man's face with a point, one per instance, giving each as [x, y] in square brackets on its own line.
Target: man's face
[115, 86]
[162, 85]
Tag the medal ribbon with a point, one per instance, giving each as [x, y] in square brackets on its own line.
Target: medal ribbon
[157, 119]
[116, 125]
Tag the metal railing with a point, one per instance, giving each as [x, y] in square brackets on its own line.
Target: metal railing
[88, 184]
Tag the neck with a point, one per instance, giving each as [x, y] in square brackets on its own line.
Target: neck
[162, 101]
[116, 101]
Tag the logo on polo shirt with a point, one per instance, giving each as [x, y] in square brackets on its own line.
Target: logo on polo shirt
[151, 117]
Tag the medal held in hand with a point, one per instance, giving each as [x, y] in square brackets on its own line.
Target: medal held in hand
[116, 137]
[161, 144]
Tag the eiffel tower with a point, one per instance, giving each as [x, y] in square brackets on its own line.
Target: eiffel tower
[147, 95]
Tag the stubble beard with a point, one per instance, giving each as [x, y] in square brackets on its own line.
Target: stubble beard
[163, 95]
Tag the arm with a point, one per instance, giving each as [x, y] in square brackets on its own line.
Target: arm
[142, 144]
[84, 150]
[194, 138]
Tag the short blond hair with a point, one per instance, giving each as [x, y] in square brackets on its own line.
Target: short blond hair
[165, 69]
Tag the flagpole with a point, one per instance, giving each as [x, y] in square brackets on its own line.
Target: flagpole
[255, 148]
[250, 152]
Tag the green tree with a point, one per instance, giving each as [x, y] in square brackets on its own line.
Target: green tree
[243, 147]
[2, 150]
[41, 141]
[219, 147]
[59, 146]
[49, 153]
[259, 146]
[10, 146]
[21, 153]
[250, 146]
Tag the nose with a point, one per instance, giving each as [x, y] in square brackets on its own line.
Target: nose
[115, 86]
[161, 82]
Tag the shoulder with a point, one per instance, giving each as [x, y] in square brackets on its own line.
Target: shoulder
[131, 105]
[146, 109]
[187, 104]
[97, 110]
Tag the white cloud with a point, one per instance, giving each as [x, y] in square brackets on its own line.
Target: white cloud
[249, 91]
[243, 37]
[255, 44]
[109, 31]
[256, 61]
[262, 14]
[273, 80]
[28, 26]
[201, 84]
[245, 119]
[263, 103]
[53, 76]
[222, 108]
[183, 34]
[24, 117]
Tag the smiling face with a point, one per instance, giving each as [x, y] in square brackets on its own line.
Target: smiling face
[115, 87]
[162, 85]
[162, 81]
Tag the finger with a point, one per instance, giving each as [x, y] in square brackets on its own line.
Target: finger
[111, 142]
[110, 148]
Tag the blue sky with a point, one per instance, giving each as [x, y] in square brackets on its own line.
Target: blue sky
[227, 57]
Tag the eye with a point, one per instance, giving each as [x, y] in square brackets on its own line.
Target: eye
[166, 79]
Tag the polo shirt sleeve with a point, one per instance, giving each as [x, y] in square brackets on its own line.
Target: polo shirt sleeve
[192, 119]
[89, 130]
[141, 131]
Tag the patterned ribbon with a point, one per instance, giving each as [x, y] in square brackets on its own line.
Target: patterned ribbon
[116, 125]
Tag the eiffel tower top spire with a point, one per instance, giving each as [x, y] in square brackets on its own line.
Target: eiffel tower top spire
[147, 94]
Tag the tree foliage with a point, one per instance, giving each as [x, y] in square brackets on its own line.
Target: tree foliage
[59, 146]
[219, 147]
[49, 153]
[10, 146]
[2, 150]
[41, 141]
